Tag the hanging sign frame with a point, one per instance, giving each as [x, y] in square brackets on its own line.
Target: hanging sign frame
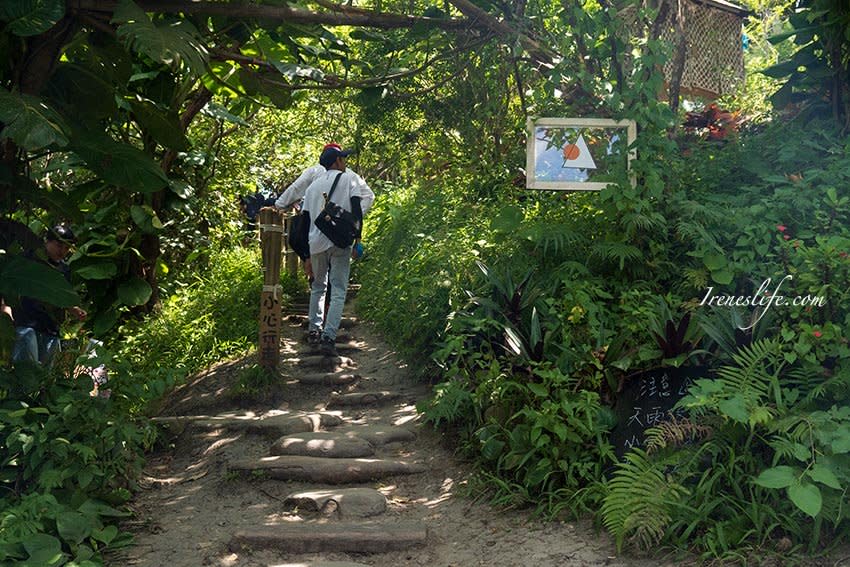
[578, 154]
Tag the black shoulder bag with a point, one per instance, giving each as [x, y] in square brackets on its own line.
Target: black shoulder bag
[339, 225]
[299, 232]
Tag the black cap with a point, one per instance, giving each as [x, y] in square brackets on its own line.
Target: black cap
[62, 233]
[330, 153]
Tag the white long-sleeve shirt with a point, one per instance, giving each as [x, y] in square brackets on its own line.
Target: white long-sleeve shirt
[349, 186]
[298, 188]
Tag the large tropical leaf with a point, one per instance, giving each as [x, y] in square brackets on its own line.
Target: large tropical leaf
[175, 44]
[21, 276]
[82, 89]
[31, 17]
[117, 163]
[30, 122]
[163, 126]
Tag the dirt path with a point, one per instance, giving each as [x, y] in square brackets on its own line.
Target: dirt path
[396, 498]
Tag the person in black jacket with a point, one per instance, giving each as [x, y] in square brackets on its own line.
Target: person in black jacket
[36, 323]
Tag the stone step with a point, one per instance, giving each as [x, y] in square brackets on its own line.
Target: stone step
[342, 337]
[345, 323]
[328, 379]
[309, 537]
[358, 399]
[345, 502]
[325, 363]
[276, 424]
[377, 435]
[322, 444]
[328, 471]
[310, 350]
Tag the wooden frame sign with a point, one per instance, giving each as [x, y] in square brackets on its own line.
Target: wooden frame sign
[578, 154]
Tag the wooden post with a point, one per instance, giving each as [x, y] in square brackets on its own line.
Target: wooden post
[291, 257]
[271, 238]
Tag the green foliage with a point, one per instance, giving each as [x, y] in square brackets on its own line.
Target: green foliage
[210, 319]
[639, 502]
[68, 460]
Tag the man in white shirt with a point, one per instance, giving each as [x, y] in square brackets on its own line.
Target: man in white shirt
[349, 195]
[295, 192]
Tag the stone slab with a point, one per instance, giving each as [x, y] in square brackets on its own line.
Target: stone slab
[357, 399]
[322, 444]
[310, 537]
[325, 363]
[378, 435]
[329, 471]
[349, 502]
[328, 379]
[281, 424]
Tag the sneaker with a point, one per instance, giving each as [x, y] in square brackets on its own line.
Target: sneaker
[327, 346]
[314, 337]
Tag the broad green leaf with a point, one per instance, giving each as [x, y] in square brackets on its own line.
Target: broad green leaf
[81, 91]
[806, 497]
[30, 122]
[841, 442]
[181, 188]
[73, 527]
[117, 163]
[43, 549]
[104, 321]
[31, 17]
[780, 37]
[145, 217]
[106, 535]
[93, 508]
[735, 408]
[23, 277]
[164, 127]
[134, 291]
[219, 112]
[508, 219]
[280, 97]
[777, 477]
[99, 271]
[714, 261]
[723, 277]
[824, 475]
[292, 70]
[539, 390]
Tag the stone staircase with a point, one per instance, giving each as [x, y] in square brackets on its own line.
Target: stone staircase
[341, 456]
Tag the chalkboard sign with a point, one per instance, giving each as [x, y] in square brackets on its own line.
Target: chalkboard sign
[648, 400]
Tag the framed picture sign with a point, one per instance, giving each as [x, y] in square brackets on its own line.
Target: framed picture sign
[578, 154]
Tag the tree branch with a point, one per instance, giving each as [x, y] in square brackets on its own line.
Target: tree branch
[537, 51]
[333, 81]
[341, 17]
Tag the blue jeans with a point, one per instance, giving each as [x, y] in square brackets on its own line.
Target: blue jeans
[341, 260]
[34, 346]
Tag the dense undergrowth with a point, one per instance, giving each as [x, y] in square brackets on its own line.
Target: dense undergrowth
[571, 296]
[70, 459]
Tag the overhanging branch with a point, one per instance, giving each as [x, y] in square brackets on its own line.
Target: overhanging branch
[346, 17]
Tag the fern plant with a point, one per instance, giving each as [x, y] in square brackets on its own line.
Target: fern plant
[747, 392]
[639, 502]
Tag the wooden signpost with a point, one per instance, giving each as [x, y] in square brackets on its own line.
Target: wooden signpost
[271, 238]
